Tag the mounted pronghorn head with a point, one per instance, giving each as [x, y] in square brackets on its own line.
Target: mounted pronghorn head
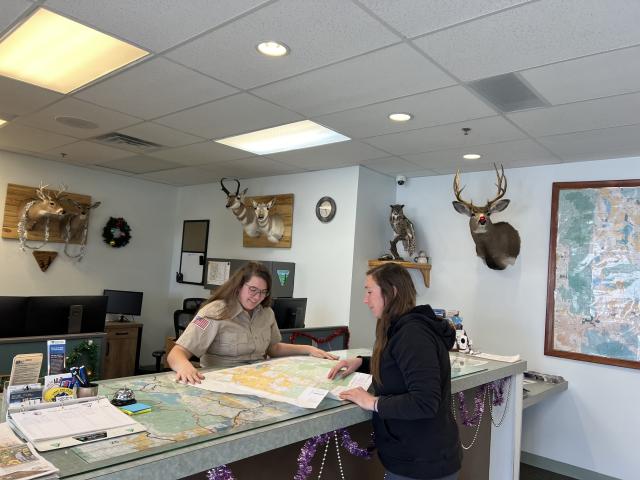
[233, 199]
[262, 209]
[497, 243]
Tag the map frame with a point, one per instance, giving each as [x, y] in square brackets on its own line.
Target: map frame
[553, 346]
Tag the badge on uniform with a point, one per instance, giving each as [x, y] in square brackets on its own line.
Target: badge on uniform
[200, 322]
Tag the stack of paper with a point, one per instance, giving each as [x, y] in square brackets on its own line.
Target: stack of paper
[20, 460]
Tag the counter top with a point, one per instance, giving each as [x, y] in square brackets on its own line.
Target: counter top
[189, 432]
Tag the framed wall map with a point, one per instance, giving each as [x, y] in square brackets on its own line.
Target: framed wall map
[593, 287]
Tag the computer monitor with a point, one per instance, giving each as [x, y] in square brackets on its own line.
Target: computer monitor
[62, 315]
[123, 303]
[13, 311]
[289, 312]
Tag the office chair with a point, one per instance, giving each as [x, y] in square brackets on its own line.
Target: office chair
[181, 319]
[192, 304]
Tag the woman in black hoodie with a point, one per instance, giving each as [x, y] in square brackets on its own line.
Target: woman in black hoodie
[414, 429]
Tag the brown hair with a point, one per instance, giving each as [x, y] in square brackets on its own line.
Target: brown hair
[399, 296]
[229, 290]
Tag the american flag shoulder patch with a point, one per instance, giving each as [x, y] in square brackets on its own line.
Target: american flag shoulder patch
[200, 322]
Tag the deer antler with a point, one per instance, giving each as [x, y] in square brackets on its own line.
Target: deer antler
[63, 188]
[458, 191]
[502, 185]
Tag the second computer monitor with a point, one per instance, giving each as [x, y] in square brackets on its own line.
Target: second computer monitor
[123, 303]
[289, 312]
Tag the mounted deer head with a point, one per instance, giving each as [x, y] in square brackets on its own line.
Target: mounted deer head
[498, 244]
[48, 205]
[235, 202]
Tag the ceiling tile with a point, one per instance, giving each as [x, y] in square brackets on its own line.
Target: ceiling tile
[603, 75]
[154, 88]
[251, 168]
[182, 176]
[330, 156]
[107, 120]
[139, 164]
[160, 134]
[532, 35]
[19, 98]
[154, 24]
[382, 75]
[448, 105]
[416, 17]
[11, 11]
[30, 139]
[229, 53]
[596, 145]
[234, 115]
[509, 154]
[201, 154]
[89, 153]
[576, 117]
[390, 165]
[483, 131]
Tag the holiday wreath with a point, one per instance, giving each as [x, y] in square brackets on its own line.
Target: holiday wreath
[116, 232]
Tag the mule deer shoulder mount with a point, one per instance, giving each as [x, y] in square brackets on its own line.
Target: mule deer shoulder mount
[498, 244]
[256, 220]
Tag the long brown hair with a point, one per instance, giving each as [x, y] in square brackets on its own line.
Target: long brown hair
[399, 296]
[229, 290]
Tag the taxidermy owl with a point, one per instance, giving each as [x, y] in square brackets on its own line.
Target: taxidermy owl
[404, 230]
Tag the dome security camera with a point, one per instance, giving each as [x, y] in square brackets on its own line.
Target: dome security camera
[401, 179]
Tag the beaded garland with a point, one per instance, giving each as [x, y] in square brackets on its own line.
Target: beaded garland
[116, 232]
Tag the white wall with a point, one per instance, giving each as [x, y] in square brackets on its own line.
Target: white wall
[594, 424]
[142, 265]
[373, 232]
[322, 252]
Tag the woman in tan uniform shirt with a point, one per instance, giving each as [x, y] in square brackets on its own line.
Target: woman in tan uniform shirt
[234, 327]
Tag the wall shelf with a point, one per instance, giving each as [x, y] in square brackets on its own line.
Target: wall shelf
[425, 268]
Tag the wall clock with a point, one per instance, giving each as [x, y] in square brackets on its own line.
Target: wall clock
[325, 209]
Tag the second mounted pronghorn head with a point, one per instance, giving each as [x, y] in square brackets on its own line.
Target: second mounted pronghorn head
[271, 225]
[498, 244]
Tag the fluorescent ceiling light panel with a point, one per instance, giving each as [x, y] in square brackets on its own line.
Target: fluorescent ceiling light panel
[292, 136]
[51, 51]
[471, 156]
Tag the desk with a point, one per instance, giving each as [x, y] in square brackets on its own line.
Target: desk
[184, 440]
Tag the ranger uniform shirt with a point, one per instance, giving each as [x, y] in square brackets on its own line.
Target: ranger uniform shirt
[228, 342]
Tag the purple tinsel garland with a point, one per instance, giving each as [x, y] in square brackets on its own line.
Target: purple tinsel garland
[220, 473]
[498, 389]
[307, 452]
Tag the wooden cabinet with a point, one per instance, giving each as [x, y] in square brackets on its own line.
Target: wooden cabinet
[123, 349]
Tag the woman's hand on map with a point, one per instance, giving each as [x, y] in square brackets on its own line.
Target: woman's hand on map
[345, 367]
[319, 353]
[187, 373]
[360, 397]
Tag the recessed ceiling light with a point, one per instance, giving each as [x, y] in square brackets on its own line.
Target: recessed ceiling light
[273, 49]
[292, 136]
[54, 52]
[2, 122]
[76, 122]
[471, 156]
[400, 117]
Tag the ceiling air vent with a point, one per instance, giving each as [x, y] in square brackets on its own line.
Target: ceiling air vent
[508, 93]
[114, 139]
